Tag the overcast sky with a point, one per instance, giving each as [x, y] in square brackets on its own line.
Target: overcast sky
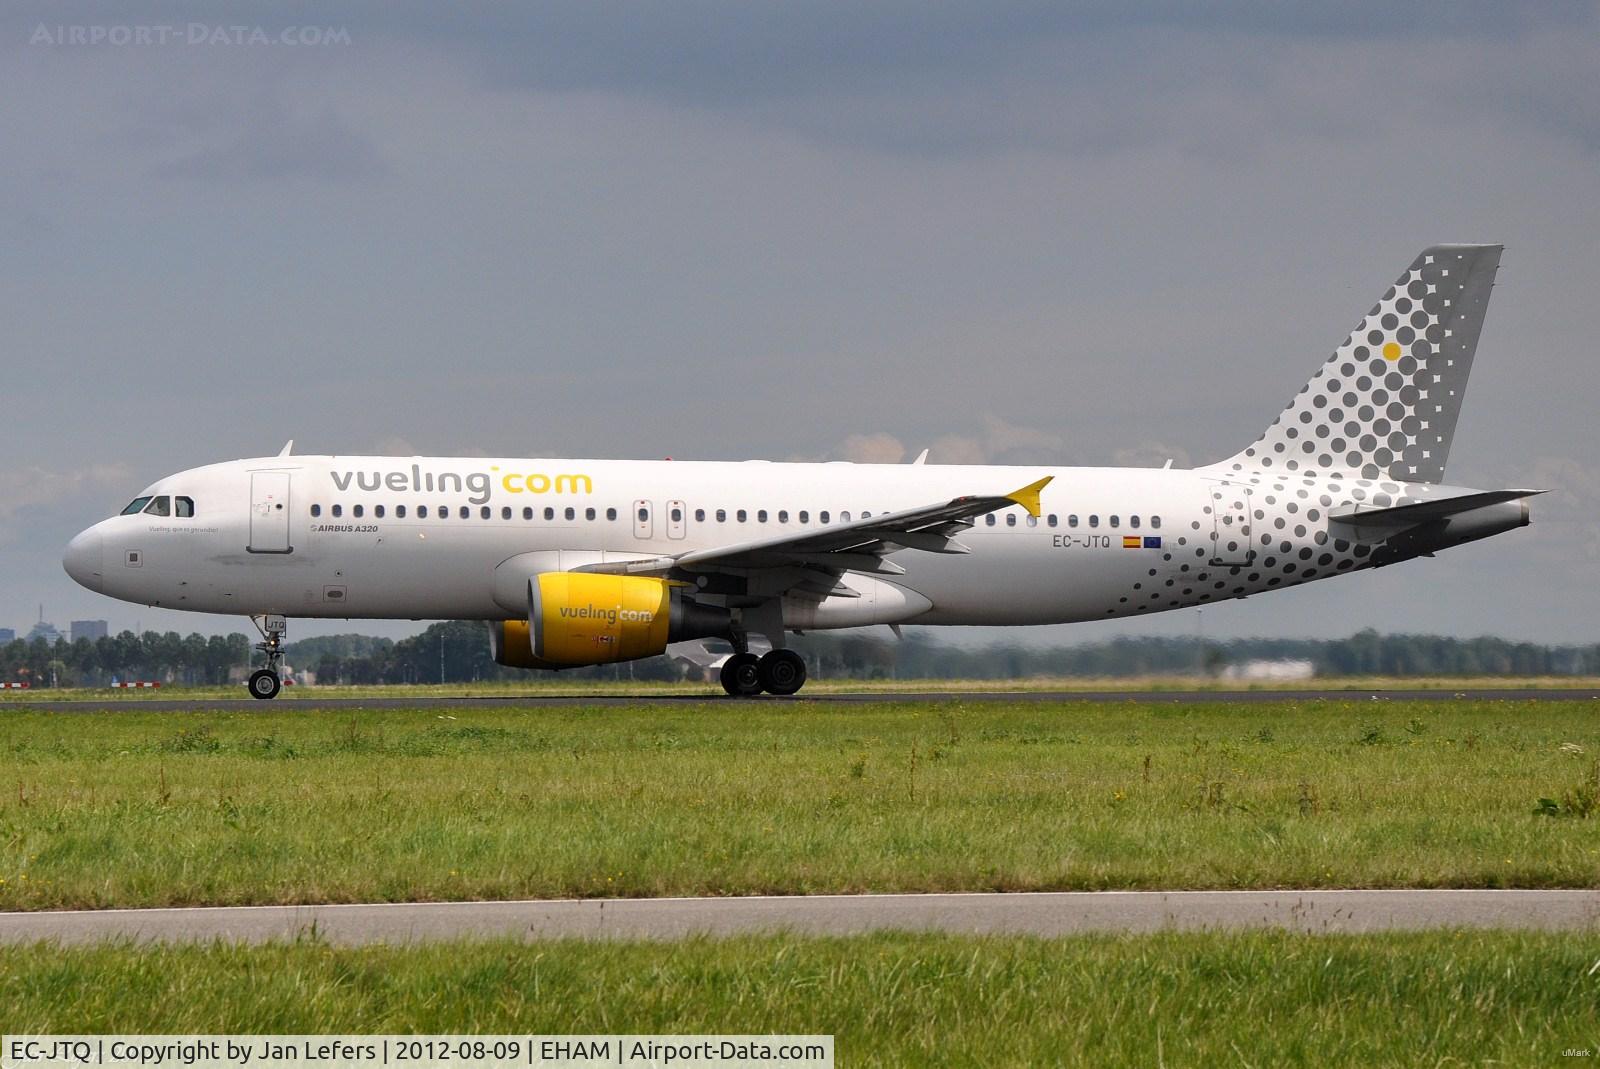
[1010, 232]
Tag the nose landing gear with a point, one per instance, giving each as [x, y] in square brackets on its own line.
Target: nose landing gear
[266, 682]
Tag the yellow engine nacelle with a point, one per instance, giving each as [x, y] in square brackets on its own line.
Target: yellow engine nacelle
[583, 618]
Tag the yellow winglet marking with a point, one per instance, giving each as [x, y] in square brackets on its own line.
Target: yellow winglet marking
[1028, 496]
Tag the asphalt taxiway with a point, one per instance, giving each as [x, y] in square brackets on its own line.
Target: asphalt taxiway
[535, 699]
[1038, 914]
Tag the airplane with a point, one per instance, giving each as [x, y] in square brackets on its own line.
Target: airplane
[585, 562]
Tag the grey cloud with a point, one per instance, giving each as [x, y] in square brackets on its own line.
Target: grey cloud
[275, 142]
[995, 441]
[1148, 454]
[977, 77]
[26, 488]
[877, 448]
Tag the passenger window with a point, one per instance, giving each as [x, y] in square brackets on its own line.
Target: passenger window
[1011, 519]
[1033, 521]
[699, 515]
[316, 510]
[527, 512]
[400, 512]
[159, 506]
[443, 512]
[338, 510]
[466, 513]
[783, 515]
[183, 506]
[505, 512]
[377, 510]
[484, 513]
[805, 517]
[722, 515]
[549, 513]
[356, 512]
[822, 517]
[136, 506]
[1133, 521]
[989, 519]
[611, 514]
[571, 513]
[1114, 521]
[1155, 521]
[1072, 520]
[676, 514]
[741, 515]
[1094, 521]
[1051, 519]
[588, 514]
[761, 515]
[844, 517]
[422, 512]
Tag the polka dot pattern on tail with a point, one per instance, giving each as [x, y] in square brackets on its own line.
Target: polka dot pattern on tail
[1385, 404]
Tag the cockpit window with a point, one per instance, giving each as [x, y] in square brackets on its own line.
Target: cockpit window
[135, 506]
[159, 506]
[183, 506]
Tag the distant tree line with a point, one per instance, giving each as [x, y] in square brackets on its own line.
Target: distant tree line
[1366, 653]
[153, 655]
[458, 651]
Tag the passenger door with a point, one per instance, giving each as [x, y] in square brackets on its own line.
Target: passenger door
[677, 517]
[643, 525]
[269, 512]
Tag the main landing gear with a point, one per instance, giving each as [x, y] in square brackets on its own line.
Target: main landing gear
[266, 682]
[781, 672]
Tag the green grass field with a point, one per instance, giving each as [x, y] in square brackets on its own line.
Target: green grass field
[294, 804]
[1443, 998]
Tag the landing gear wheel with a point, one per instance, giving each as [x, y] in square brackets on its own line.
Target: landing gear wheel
[264, 684]
[782, 672]
[741, 675]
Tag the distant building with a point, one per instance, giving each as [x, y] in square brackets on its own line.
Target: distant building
[7, 634]
[89, 629]
[46, 631]
[1270, 671]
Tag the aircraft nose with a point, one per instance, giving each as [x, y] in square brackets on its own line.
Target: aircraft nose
[82, 559]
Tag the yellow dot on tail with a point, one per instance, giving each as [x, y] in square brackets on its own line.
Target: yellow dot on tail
[1391, 351]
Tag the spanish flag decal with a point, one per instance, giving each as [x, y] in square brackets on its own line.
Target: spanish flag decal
[1132, 542]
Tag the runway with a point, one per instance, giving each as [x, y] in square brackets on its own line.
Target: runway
[1038, 914]
[537, 700]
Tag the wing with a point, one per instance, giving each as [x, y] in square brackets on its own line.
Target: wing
[860, 545]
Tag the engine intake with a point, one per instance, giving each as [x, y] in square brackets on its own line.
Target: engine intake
[583, 618]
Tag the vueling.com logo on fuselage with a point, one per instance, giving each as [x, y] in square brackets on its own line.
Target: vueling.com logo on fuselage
[480, 484]
[609, 615]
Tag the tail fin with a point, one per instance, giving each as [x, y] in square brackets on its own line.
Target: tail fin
[1385, 404]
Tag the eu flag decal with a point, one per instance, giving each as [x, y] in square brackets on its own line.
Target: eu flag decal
[1152, 541]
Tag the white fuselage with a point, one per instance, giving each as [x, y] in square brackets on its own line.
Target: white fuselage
[431, 538]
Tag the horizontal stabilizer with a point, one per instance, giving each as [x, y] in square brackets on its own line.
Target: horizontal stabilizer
[1400, 516]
